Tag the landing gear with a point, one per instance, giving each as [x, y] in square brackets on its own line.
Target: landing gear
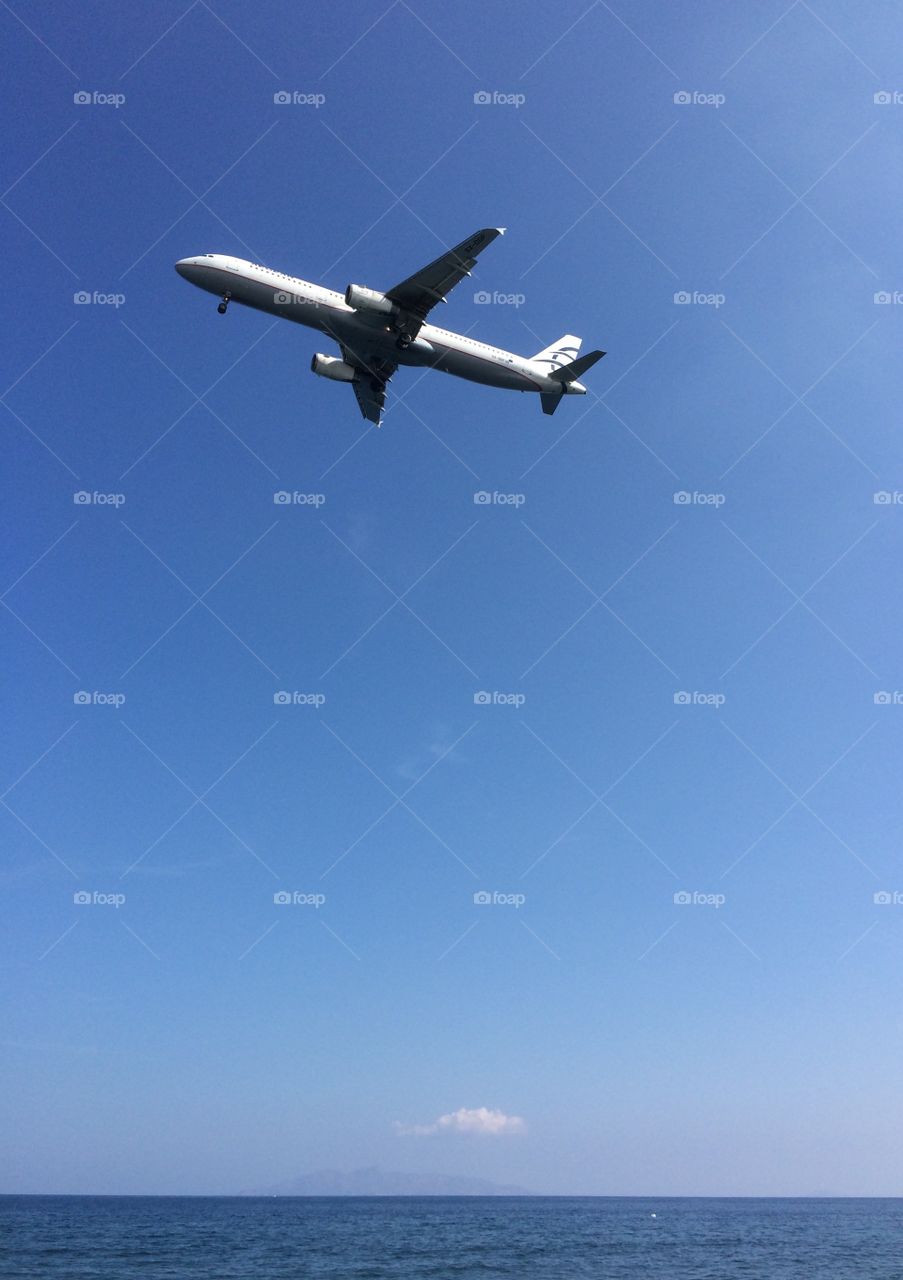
[224, 304]
[404, 341]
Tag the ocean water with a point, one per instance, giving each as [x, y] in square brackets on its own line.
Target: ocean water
[536, 1238]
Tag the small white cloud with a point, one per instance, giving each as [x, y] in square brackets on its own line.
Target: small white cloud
[481, 1120]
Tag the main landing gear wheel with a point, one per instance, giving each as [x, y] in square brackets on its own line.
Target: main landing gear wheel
[404, 341]
[224, 304]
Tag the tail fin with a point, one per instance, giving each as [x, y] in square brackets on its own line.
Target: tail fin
[571, 372]
[566, 349]
[565, 375]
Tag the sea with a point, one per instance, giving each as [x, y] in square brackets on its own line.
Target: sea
[440, 1238]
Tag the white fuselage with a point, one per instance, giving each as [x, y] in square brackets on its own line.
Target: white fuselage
[324, 309]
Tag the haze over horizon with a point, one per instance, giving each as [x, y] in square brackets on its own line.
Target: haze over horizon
[517, 798]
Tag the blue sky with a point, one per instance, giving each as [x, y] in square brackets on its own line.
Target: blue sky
[693, 602]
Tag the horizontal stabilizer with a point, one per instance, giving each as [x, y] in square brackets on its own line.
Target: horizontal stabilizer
[571, 372]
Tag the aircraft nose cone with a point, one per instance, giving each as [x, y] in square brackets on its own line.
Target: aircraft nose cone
[183, 266]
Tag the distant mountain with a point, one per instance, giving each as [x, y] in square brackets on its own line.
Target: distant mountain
[381, 1182]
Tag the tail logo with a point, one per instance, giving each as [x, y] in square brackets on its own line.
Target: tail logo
[557, 358]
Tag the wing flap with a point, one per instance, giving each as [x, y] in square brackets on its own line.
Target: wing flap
[371, 402]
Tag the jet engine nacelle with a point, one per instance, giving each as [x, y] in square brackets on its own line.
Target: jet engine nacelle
[333, 367]
[362, 299]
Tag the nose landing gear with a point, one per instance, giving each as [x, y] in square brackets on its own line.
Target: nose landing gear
[224, 304]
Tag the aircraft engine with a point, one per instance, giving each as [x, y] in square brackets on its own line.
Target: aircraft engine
[362, 299]
[333, 367]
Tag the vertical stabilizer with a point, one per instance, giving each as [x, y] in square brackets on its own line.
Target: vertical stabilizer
[566, 349]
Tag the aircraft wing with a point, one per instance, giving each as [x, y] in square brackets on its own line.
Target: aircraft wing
[421, 291]
[370, 388]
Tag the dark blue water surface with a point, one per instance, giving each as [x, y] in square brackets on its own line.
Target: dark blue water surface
[176, 1238]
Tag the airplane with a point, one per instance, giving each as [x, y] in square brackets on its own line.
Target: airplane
[377, 332]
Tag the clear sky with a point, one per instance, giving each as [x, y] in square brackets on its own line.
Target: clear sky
[199, 1036]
